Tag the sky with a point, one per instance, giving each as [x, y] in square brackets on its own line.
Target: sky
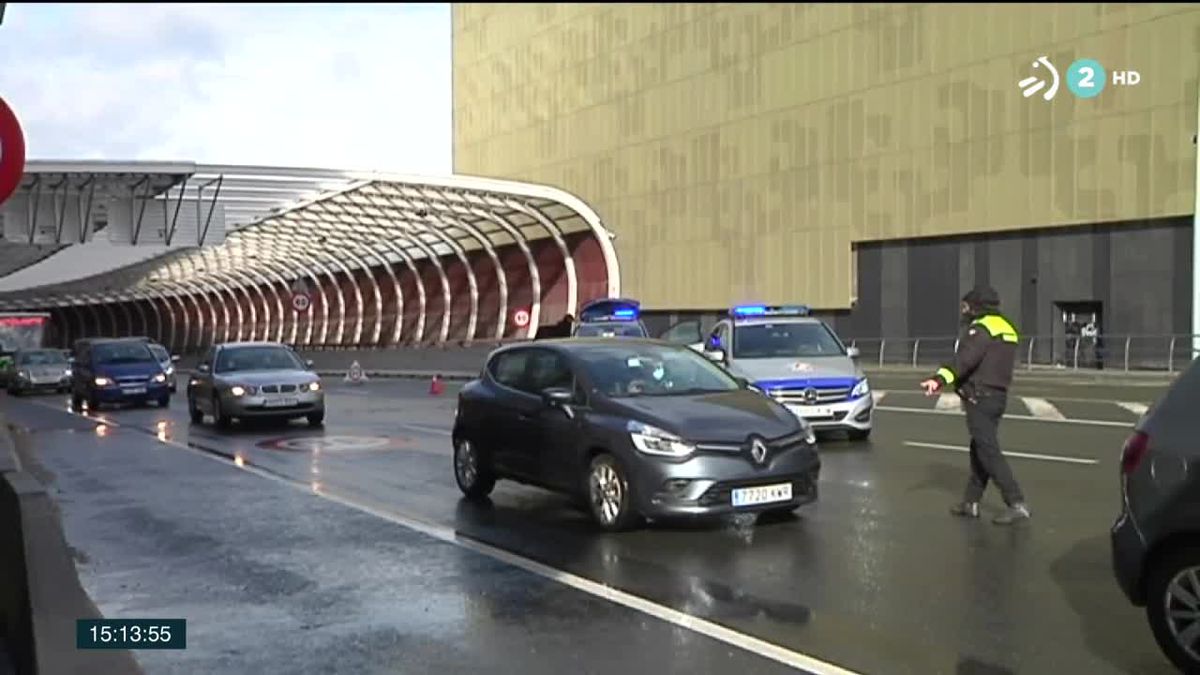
[339, 86]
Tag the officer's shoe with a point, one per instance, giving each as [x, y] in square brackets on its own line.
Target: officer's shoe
[965, 509]
[1012, 515]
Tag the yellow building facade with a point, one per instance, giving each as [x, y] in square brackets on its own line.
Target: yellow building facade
[742, 151]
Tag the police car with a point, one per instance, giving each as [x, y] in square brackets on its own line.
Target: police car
[611, 317]
[797, 360]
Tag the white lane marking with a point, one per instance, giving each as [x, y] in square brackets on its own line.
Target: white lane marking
[1042, 409]
[675, 617]
[926, 411]
[949, 402]
[1138, 409]
[1025, 455]
[877, 396]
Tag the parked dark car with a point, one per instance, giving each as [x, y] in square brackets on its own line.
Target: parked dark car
[636, 428]
[1156, 538]
[116, 370]
[243, 380]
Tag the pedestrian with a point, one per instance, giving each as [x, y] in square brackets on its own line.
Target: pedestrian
[981, 374]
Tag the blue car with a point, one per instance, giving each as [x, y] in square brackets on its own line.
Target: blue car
[117, 371]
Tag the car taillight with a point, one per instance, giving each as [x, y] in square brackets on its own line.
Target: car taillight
[1135, 449]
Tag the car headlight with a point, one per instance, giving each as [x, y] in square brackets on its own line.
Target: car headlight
[655, 441]
[860, 389]
[67, 372]
[23, 374]
[102, 381]
[314, 386]
[160, 378]
[242, 390]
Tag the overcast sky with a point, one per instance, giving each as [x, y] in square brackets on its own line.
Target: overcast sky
[339, 86]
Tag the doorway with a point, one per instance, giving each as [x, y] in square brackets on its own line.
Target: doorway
[1078, 334]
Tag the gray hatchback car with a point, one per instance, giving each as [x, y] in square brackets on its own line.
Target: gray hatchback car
[1156, 538]
[244, 380]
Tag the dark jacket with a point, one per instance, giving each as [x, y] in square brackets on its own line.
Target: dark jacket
[985, 358]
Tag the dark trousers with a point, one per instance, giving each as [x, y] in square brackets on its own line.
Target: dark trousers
[987, 462]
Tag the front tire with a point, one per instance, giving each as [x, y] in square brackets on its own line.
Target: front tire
[164, 402]
[316, 419]
[610, 497]
[859, 434]
[474, 478]
[1169, 614]
[222, 420]
[196, 415]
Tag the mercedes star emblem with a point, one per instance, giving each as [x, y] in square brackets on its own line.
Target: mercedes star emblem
[810, 396]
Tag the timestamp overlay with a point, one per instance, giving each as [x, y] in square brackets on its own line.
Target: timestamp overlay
[131, 634]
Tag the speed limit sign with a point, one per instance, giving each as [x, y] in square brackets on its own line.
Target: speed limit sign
[521, 318]
[301, 302]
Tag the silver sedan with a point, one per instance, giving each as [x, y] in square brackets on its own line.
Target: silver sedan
[243, 380]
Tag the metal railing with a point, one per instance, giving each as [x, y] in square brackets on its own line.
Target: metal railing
[1128, 353]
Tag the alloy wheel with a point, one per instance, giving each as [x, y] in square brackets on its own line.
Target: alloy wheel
[607, 493]
[1182, 609]
[466, 463]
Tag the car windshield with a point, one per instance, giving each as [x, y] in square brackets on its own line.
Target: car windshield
[43, 358]
[122, 352]
[623, 370]
[160, 352]
[257, 358]
[783, 340]
[615, 329]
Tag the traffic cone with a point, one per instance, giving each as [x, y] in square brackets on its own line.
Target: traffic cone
[436, 386]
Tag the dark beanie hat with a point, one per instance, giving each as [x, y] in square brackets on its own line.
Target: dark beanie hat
[982, 297]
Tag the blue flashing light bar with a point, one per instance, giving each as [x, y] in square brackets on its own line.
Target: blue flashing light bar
[610, 309]
[765, 310]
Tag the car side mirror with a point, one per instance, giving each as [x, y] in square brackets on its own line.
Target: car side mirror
[308, 364]
[853, 352]
[557, 396]
[174, 358]
[202, 368]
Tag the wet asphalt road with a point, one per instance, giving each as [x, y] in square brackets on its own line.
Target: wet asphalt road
[875, 577]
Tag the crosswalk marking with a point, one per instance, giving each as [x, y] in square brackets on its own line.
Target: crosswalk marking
[1042, 409]
[1138, 409]
[877, 396]
[949, 402]
[1024, 455]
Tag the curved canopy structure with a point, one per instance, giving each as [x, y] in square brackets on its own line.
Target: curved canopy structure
[374, 260]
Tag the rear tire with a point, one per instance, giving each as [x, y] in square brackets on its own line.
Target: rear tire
[475, 479]
[610, 497]
[859, 434]
[1160, 603]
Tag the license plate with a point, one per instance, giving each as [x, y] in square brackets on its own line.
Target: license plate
[279, 402]
[763, 494]
[133, 390]
[807, 411]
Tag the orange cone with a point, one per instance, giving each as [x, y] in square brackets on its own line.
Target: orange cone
[436, 386]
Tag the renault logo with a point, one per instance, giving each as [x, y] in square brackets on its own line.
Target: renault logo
[810, 396]
[758, 450]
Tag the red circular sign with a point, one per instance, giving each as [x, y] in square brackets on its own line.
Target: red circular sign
[521, 318]
[12, 152]
[301, 302]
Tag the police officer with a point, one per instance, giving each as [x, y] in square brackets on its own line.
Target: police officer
[981, 374]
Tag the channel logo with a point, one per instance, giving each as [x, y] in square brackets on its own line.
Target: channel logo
[1086, 78]
[1033, 84]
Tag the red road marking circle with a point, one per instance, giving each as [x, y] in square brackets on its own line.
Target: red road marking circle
[301, 302]
[12, 152]
[521, 318]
